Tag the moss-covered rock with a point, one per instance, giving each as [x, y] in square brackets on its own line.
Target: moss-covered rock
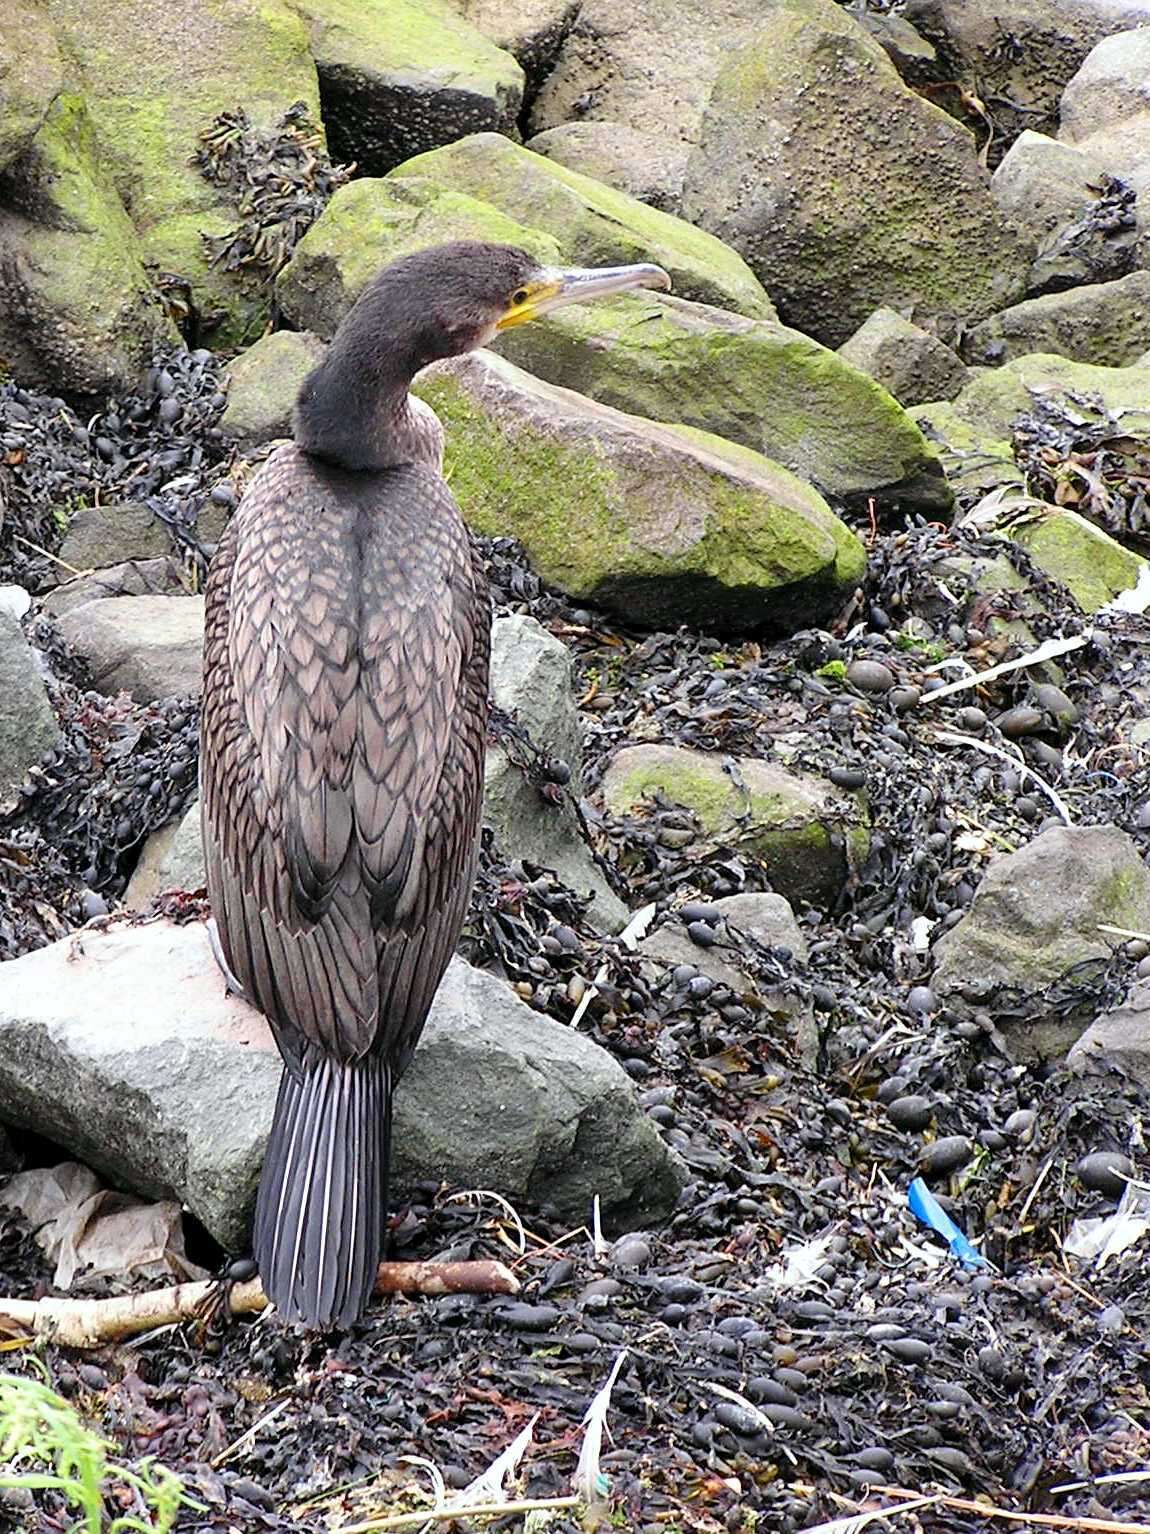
[154, 80]
[661, 524]
[975, 460]
[753, 382]
[31, 76]
[994, 399]
[401, 76]
[892, 207]
[1102, 322]
[1092, 566]
[807, 833]
[76, 307]
[263, 383]
[371, 222]
[594, 225]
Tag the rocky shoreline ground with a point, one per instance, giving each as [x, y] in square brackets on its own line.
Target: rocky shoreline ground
[821, 642]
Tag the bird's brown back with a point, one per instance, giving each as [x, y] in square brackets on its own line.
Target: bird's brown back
[346, 653]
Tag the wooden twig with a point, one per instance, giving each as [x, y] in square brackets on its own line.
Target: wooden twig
[460, 1513]
[92, 1323]
[1039, 1520]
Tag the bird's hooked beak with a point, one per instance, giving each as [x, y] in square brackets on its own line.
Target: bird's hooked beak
[551, 289]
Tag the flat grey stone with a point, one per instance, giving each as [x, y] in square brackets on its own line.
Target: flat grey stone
[28, 726]
[172, 859]
[122, 1046]
[1119, 1039]
[150, 647]
[133, 578]
[1035, 915]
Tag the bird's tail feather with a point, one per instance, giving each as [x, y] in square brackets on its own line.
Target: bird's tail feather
[320, 1211]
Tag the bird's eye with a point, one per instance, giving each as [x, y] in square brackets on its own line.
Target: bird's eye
[520, 296]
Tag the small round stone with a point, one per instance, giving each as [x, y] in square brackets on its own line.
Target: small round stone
[1020, 721]
[1105, 1172]
[870, 676]
[946, 1155]
[920, 999]
[847, 777]
[912, 1112]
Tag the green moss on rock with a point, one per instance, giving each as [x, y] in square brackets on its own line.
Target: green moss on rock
[76, 309]
[666, 524]
[151, 90]
[1092, 566]
[403, 76]
[754, 382]
[595, 225]
[994, 399]
[807, 833]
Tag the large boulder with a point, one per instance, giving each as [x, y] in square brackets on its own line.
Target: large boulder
[623, 63]
[626, 158]
[532, 31]
[661, 524]
[150, 646]
[1107, 323]
[1037, 914]
[994, 398]
[807, 833]
[122, 1046]
[28, 725]
[1019, 52]
[76, 307]
[154, 80]
[594, 225]
[401, 76]
[1065, 200]
[750, 381]
[31, 76]
[1093, 567]
[1111, 92]
[891, 208]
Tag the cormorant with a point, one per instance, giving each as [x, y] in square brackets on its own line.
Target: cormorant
[344, 719]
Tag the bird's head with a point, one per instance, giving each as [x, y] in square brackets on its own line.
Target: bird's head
[450, 299]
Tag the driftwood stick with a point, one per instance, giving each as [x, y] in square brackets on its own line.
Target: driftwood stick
[92, 1323]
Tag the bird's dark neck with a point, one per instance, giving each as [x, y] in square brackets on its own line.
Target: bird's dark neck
[355, 412]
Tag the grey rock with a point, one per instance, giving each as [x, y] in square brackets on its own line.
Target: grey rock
[912, 364]
[396, 84]
[172, 859]
[768, 917]
[643, 165]
[134, 578]
[659, 523]
[531, 678]
[28, 726]
[1035, 915]
[1042, 184]
[834, 226]
[1021, 51]
[1112, 84]
[100, 536]
[903, 44]
[530, 30]
[263, 383]
[624, 62]
[1119, 1039]
[150, 647]
[123, 1047]
[1107, 323]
